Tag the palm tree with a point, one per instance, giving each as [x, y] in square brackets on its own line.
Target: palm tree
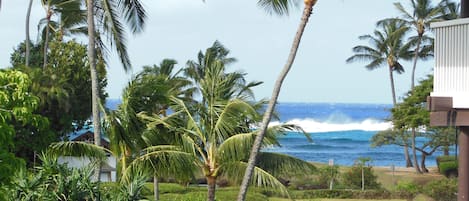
[215, 132]
[423, 13]
[150, 92]
[28, 41]
[386, 47]
[219, 148]
[134, 14]
[280, 7]
[56, 7]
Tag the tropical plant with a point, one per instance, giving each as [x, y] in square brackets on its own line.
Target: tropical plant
[66, 9]
[279, 7]
[216, 134]
[108, 13]
[419, 18]
[17, 105]
[28, 41]
[64, 92]
[387, 48]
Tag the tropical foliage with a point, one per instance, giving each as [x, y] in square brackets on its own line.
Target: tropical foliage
[17, 106]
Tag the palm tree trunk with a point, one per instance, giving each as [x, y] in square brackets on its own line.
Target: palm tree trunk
[270, 107]
[28, 43]
[414, 153]
[156, 187]
[46, 42]
[393, 90]
[94, 78]
[416, 56]
[211, 187]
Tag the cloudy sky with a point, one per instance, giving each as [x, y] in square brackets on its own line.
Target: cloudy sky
[178, 29]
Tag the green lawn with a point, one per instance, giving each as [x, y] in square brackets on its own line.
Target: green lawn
[320, 199]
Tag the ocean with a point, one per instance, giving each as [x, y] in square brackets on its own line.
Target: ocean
[341, 132]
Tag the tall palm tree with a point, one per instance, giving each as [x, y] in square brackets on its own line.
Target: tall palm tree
[56, 7]
[280, 7]
[28, 41]
[108, 15]
[421, 15]
[387, 48]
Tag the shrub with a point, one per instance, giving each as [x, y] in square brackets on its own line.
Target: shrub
[349, 194]
[442, 190]
[353, 177]
[408, 187]
[449, 168]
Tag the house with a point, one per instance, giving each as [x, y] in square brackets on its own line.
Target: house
[85, 133]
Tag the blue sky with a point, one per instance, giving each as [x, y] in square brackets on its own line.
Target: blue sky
[178, 29]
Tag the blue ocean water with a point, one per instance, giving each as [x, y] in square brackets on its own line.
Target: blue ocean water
[340, 132]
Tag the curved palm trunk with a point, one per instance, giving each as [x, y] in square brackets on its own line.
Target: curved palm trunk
[28, 48]
[270, 107]
[394, 101]
[211, 187]
[416, 56]
[94, 78]
[414, 153]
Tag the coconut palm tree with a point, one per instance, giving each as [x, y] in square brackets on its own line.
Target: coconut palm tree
[387, 48]
[280, 7]
[28, 41]
[56, 7]
[420, 16]
[149, 91]
[108, 13]
[215, 132]
[219, 148]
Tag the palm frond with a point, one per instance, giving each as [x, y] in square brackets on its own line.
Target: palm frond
[261, 178]
[279, 7]
[78, 149]
[134, 13]
[164, 161]
[236, 147]
[116, 33]
[283, 165]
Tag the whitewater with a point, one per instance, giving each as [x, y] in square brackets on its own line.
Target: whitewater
[341, 132]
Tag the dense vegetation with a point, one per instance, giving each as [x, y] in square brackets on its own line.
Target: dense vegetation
[189, 122]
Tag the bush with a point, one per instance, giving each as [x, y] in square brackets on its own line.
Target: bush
[221, 195]
[349, 194]
[442, 190]
[449, 168]
[353, 177]
[408, 187]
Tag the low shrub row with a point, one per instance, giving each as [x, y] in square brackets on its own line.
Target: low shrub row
[351, 194]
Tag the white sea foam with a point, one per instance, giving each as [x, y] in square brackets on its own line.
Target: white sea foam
[312, 126]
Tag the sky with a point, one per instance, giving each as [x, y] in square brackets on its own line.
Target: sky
[179, 29]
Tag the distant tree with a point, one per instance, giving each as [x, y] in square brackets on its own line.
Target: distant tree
[63, 89]
[65, 9]
[420, 16]
[387, 47]
[412, 113]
